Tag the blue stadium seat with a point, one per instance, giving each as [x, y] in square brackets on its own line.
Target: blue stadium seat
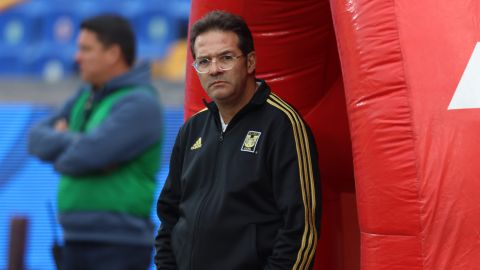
[127, 8]
[28, 28]
[155, 31]
[160, 24]
[179, 9]
[51, 61]
[20, 28]
[20, 25]
[61, 24]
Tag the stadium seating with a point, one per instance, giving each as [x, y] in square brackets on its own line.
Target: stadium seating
[19, 25]
[19, 29]
[37, 38]
[50, 61]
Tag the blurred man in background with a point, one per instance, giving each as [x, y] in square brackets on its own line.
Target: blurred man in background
[105, 143]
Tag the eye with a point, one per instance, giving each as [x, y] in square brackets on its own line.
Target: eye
[203, 61]
[226, 58]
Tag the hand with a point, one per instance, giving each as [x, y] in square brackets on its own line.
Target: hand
[61, 125]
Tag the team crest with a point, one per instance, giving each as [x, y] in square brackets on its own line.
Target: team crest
[250, 142]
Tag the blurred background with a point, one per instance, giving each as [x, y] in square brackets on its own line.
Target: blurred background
[38, 73]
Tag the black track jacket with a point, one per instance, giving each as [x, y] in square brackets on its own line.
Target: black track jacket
[243, 199]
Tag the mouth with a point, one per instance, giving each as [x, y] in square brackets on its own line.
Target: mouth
[217, 83]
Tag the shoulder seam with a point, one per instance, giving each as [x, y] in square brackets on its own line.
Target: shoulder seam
[202, 110]
[195, 115]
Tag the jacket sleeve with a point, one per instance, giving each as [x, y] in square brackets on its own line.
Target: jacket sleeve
[168, 211]
[44, 141]
[133, 125]
[296, 182]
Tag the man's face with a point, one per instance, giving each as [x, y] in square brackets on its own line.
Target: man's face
[92, 58]
[226, 86]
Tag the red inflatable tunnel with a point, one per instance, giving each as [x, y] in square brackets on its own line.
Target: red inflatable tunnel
[407, 107]
[412, 84]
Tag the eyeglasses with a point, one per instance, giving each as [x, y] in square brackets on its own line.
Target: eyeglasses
[224, 63]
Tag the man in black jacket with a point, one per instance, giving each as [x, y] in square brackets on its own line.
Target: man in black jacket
[242, 191]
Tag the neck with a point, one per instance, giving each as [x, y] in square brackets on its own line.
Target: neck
[112, 73]
[229, 110]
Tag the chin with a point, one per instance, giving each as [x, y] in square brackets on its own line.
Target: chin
[222, 98]
[219, 94]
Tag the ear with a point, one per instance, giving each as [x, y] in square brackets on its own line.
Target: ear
[251, 62]
[114, 54]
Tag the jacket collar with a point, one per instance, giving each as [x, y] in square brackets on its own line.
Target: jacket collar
[258, 99]
[139, 75]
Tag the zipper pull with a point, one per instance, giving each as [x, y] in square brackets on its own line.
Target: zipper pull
[220, 139]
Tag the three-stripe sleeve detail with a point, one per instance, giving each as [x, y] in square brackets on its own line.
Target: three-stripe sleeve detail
[308, 245]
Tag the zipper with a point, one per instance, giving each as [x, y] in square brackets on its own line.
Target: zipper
[87, 110]
[204, 202]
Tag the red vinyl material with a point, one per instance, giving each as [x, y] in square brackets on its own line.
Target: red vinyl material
[414, 158]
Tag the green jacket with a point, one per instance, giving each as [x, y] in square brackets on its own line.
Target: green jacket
[125, 188]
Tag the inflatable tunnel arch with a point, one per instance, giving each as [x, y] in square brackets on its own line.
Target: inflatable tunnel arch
[391, 90]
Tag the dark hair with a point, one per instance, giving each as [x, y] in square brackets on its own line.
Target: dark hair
[113, 29]
[223, 21]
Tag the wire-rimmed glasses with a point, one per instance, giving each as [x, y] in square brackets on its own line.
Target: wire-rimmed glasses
[224, 62]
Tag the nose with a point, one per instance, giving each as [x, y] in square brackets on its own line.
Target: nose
[214, 68]
[77, 57]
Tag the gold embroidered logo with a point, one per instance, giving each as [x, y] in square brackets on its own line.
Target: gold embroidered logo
[250, 142]
[197, 144]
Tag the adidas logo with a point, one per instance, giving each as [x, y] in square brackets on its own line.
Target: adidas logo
[197, 144]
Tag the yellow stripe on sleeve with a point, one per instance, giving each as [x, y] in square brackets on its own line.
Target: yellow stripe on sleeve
[307, 250]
